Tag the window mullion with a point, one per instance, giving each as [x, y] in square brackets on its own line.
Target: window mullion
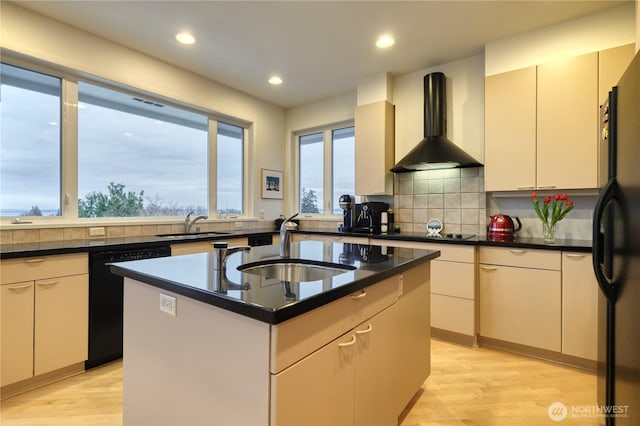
[69, 150]
[327, 171]
[212, 167]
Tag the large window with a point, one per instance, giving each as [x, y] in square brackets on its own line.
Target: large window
[30, 143]
[136, 156]
[326, 161]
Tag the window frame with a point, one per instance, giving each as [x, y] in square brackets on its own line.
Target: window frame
[69, 147]
[327, 181]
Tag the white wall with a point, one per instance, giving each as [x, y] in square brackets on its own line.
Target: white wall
[465, 106]
[35, 36]
[598, 31]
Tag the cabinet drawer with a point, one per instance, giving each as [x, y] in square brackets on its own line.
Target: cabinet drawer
[526, 258]
[449, 252]
[299, 336]
[36, 268]
[521, 305]
[453, 314]
[453, 279]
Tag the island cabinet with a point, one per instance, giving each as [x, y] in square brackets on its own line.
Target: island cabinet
[354, 371]
[520, 297]
[203, 246]
[43, 319]
[374, 148]
[357, 360]
[579, 306]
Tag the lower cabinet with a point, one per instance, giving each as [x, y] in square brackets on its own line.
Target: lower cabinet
[44, 320]
[579, 306]
[520, 297]
[365, 376]
[16, 340]
[344, 382]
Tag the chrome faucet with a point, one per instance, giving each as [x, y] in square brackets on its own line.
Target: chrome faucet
[285, 238]
[188, 223]
[221, 252]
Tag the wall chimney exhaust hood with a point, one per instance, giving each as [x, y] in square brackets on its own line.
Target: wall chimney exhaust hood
[435, 151]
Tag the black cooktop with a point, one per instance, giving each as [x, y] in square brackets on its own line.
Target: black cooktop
[450, 236]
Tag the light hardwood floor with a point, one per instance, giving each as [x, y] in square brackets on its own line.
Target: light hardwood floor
[478, 386]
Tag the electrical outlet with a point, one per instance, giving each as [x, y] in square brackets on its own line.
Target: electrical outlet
[96, 232]
[238, 225]
[168, 304]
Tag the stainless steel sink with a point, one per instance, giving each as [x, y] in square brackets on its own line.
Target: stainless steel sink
[295, 270]
[193, 234]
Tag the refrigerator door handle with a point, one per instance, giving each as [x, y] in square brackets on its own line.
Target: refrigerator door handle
[600, 239]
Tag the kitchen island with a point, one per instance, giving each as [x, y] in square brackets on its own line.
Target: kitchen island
[348, 349]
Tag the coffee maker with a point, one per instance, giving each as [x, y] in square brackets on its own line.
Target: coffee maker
[369, 218]
[348, 205]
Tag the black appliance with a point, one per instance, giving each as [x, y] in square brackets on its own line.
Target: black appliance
[616, 255]
[348, 205]
[435, 151]
[105, 301]
[369, 217]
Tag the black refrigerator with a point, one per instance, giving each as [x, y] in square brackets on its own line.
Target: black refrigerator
[616, 255]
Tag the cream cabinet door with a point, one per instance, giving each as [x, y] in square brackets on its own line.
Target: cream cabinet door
[567, 123]
[377, 345]
[319, 389]
[61, 322]
[374, 150]
[579, 306]
[521, 305]
[16, 328]
[510, 130]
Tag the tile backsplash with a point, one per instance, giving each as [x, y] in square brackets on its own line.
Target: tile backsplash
[455, 196]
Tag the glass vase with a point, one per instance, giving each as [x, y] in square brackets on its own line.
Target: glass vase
[549, 232]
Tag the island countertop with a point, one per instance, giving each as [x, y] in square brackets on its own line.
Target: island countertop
[270, 300]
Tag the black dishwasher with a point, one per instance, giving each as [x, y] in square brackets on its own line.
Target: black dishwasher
[105, 301]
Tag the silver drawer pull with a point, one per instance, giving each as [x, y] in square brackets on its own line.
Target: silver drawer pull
[39, 260]
[546, 187]
[349, 343]
[360, 296]
[20, 287]
[366, 330]
[518, 252]
[526, 187]
[47, 283]
[488, 268]
[575, 256]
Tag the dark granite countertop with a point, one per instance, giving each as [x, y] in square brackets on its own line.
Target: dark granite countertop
[477, 240]
[8, 251]
[271, 300]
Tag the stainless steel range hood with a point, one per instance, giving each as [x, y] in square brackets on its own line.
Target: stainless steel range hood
[435, 151]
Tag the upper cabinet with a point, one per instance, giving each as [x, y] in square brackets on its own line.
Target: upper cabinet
[374, 137]
[541, 123]
[510, 130]
[567, 123]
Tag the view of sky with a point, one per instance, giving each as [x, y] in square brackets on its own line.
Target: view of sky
[163, 158]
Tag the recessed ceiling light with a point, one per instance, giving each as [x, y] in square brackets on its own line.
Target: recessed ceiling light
[385, 41]
[275, 80]
[185, 38]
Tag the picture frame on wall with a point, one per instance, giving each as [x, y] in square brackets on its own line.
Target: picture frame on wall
[271, 184]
